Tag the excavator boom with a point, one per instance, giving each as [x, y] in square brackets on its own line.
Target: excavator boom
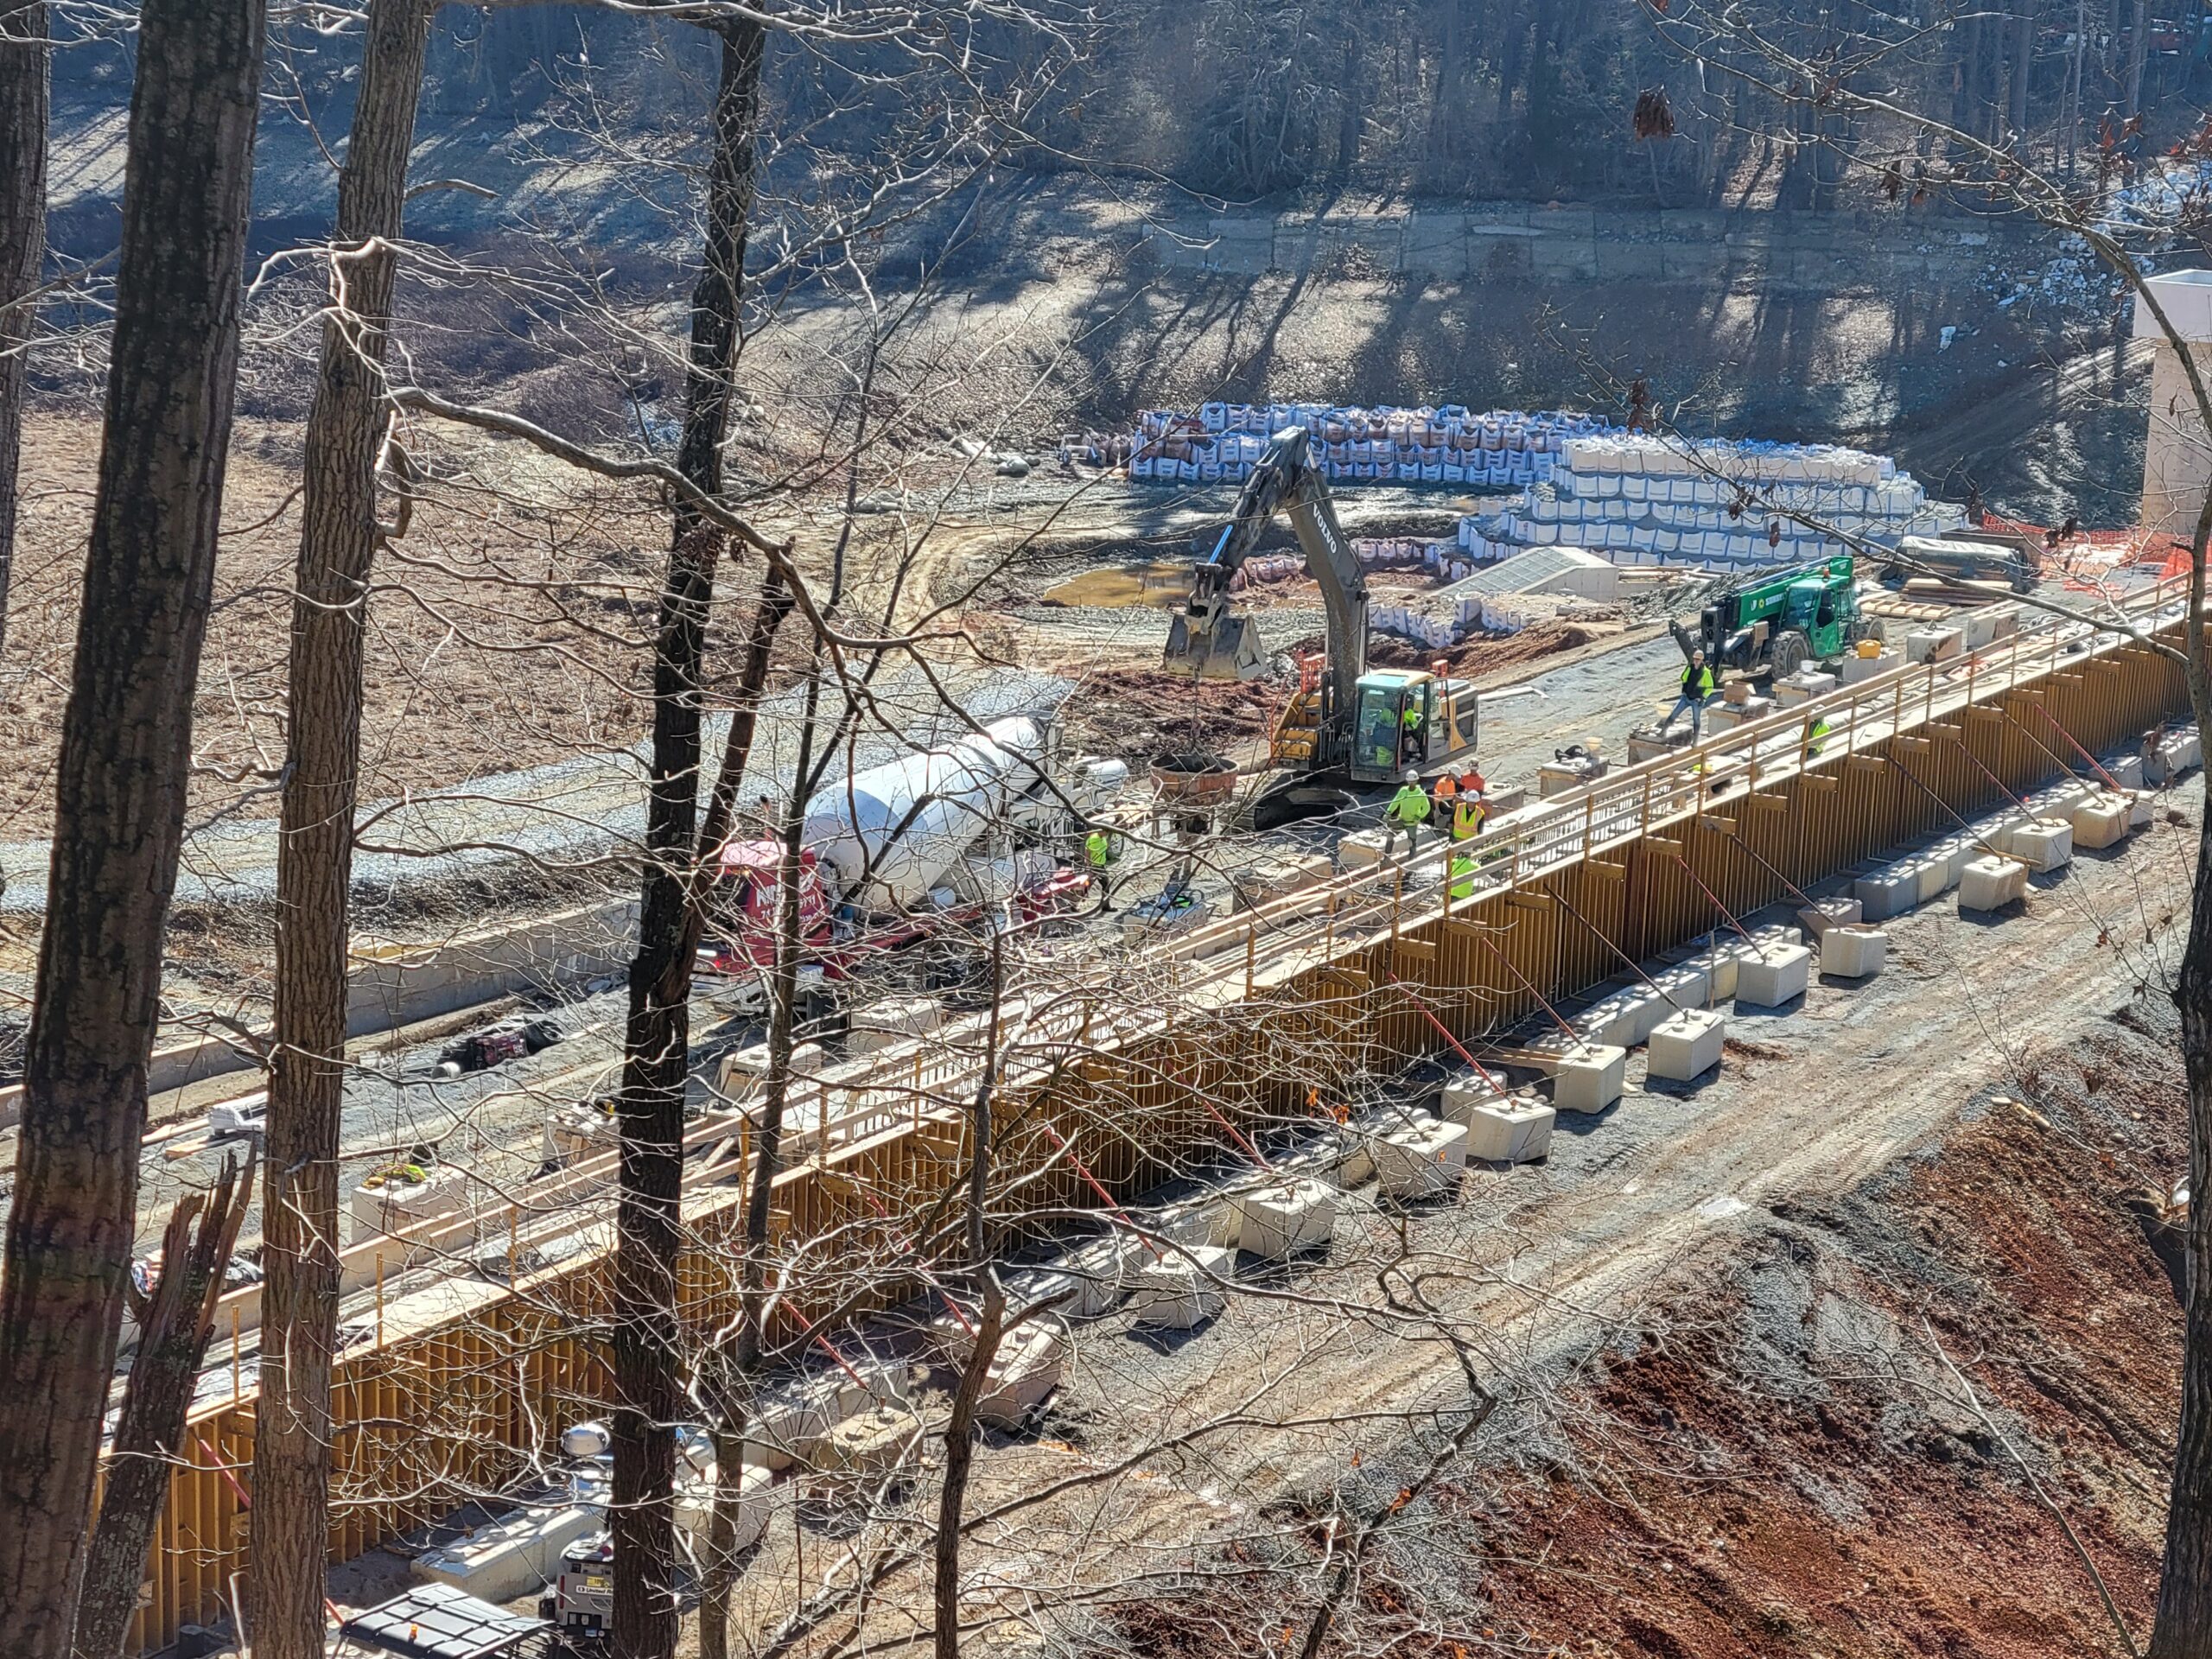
[1212, 641]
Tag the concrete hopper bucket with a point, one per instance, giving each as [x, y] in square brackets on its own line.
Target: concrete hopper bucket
[1224, 647]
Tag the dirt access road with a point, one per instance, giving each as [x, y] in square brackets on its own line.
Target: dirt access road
[1554, 1271]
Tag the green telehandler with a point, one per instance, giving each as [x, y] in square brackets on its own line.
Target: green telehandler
[1775, 622]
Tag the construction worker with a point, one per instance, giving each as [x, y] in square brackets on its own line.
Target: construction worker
[1821, 728]
[1412, 724]
[1444, 795]
[1697, 686]
[1098, 853]
[1471, 782]
[1467, 815]
[1409, 810]
[1462, 876]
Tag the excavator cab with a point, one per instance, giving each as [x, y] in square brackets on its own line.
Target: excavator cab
[1402, 720]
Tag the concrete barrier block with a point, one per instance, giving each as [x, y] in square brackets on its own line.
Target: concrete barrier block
[2180, 752]
[1934, 645]
[885, 1025]
[1513, 1131]
[2102, 823]
[1363, 849]
[1022, 1375]
[2142, 810]
[1980, 629]
[1208, 1220]
[1937, 877]
[2126, 772]
[1803, 686]
[511, 1556]
[1422, 1161]
[1286, 1218]
[1774, 977]
[1589, 1078]
[1103, 1268]
[1854, 670]
[1179, 1291]
[1688, 1045]
[1853, 952]
[2041, 845]
[1818, 918]
[1992, 884]
[1888, 892]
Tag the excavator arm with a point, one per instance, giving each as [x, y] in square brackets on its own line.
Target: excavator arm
[1211, 640]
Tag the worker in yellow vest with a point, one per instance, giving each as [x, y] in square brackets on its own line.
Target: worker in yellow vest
[1098, 854]
[1409, 810]
[1462, 876]
[1697, 686]
[1467, 815]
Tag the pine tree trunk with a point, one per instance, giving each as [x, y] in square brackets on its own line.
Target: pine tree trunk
[2138, 51]
[23, 100]
[656, 1037]
[314, 860]
[126, 745]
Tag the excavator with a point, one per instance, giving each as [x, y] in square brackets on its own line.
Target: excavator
[1346, 732]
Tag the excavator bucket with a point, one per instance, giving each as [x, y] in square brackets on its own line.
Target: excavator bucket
[1229, 649]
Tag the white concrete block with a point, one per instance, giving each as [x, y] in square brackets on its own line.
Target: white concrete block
[694, 1507]
[1774, 975]
[1980, 629]
[512, 1555]
[2142, 810]
[1286, 1218]
[1937, 876]
[1463, 1093]
[1364, 849]
[1817, 917]
[2126, 772]
[1514, 1131]
[1418, 1161]
[1179, 1291]
[1854, 670]
[1688, 1045]
[1853, 952]
[389, 1203]
[1804, 685]
[1105, 1268]
[1208, 1220]
[1589, 1078]
[1023, 1374]
[1889, 892]
[2041, 845]
[2181, 752]
[884, 1025]
[1992, 884]
[1933, 644]
[2100, 823]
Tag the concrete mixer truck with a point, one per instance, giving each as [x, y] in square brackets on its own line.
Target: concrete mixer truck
[939, 838]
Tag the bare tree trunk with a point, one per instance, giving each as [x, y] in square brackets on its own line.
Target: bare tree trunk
[173, 1328]
[126, 745]
[657, 1039]
[23, 100]
[2184, 1624]
[314, 856]
[960, 1425]
[2023, 50]
[2139, 52]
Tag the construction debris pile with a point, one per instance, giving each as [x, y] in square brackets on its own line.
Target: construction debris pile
[1502, 449]
[1552, 584]
[1724, 505]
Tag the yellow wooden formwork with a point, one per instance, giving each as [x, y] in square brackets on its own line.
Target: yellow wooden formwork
[1360, 973]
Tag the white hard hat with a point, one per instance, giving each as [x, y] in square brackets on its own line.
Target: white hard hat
[1413, 775]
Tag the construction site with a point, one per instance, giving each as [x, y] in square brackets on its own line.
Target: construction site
[1016, 933]
[1674, 1087]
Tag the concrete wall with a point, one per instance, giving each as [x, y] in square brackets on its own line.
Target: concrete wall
[1777, 253]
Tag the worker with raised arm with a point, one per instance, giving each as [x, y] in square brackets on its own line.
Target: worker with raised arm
[1697, 686]
[1409, 810]
[1098, 854]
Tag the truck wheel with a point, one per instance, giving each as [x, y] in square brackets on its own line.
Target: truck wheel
[1790, 650]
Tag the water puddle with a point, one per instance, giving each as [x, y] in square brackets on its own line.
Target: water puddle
[1114, 585]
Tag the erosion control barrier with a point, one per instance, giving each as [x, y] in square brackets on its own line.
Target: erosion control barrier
[455, 1380]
